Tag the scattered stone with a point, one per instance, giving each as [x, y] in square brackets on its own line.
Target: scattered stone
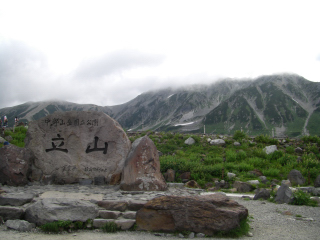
[237, 144]
[270, 149]
[262, 194]
[100, 180]
[77, 145]
[254, 182]
[170, 175]
[249, 234]
[85, 181]
[256, 173]
[142, 168]
[192, 184]
[20, 225]
[208, 185]
[203, 214]
[11, 213]
[115, 179]
[14, 165]
[200, 235]
[217, 142]
[231, 175]
[284, 195]
[54, 209]
[185, 175]
[113, 205]
[242, 186]
[2, 140]
[263, 179]
[296, 177]
[286, 182]
[191, 235]
[190, 141]
[298, 150]
[317, 182]
[8, 138]
[16, 199]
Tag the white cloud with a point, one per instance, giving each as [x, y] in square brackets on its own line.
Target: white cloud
[107, 52]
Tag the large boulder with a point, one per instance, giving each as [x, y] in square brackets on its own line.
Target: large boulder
[71, 146]
[262, 194]
[200, 214]
[14, 165]
[54, 209]
[296, 178]
[142, 168]
[284, 194]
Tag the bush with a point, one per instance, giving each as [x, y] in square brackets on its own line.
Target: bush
[302, 198]
[110, 227]
[266, 139]
[55, 227]
[239, 135]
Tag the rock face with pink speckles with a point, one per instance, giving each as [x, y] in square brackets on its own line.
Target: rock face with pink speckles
[142, 168]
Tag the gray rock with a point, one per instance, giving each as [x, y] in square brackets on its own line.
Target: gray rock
[2, 140]
[113, 205]
[298, 150]
[284, 195]
[77, 145]
[85, 181]
[142, 168]
[207, 214]
[54, 209]
[200, 235]
[263, 179]
[14, 165]
[253, 182]
[270, 149]
[191, 235]
[317, 181]
[237, 144]
[190, 141]
[231, 175]
[16, 199]
[217, 142]
[242, 186]
[11, 213]
[20, 225]
[262, 194]
[286, 182]
[100, 180]
[8, 138]
[296, 177]
[170, 175]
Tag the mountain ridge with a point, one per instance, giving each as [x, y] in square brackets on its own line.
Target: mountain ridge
[280, 104]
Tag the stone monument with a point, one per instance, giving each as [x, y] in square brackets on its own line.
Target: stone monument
[72, 146]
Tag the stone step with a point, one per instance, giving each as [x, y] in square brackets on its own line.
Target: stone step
[107, 214]
[123, 224]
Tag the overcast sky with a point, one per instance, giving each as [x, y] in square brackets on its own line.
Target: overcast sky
[108, 52]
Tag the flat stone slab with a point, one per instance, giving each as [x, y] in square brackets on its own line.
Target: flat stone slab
[11, 213]
[15, 199]
[54, 209]
[80, 196]
[20, 225]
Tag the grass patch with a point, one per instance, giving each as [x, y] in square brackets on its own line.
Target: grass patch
[110, 227]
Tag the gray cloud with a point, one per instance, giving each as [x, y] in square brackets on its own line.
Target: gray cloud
[116, 62]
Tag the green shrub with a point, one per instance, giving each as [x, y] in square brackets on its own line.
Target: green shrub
[231, 155]
[271, 172]
[56, 226]
[302, 198]
[311, 139]
[266, 140]
[239, 135]
[110, 227]
[290, 150]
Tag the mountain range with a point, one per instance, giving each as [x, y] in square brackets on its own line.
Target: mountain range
[279, 105]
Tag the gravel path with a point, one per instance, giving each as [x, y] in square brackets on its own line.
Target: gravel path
[269, 221]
